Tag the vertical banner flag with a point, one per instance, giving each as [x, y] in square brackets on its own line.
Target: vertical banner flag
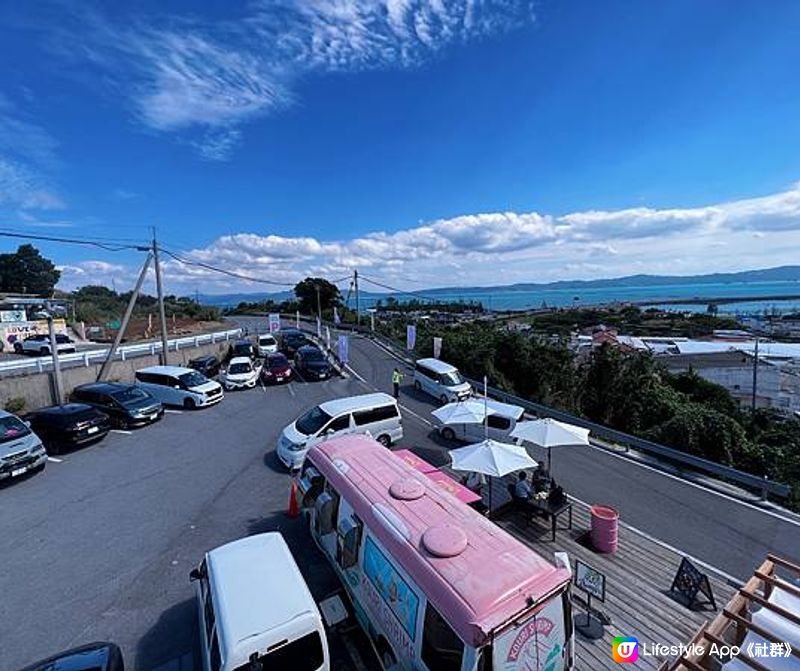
[372, 321]
[344, 349]
[328, 336]
[411, 336]
[336, 319]
[437, 347]
[274, 323]
[319, 327]
[297, 319]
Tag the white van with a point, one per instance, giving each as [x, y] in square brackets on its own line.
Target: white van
[267, 344]
[174, 385]
[373, 414]
[440, 380]
[254, 606]
[501, 423]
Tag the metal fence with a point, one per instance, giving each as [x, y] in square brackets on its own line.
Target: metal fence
[42, 364]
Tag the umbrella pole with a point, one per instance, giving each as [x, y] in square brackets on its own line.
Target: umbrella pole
[485, 407]
[548, 460]
[489, 515]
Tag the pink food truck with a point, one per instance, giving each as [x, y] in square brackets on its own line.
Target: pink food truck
[434, 584]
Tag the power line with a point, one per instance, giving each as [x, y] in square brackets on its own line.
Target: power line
[86, 242]
[399, 291]
[229, 273]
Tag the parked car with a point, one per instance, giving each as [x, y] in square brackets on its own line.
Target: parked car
[126, 405]
[208, 365]
[90, 657]
[40, 344]
[374, 414]
[500, 424]
[292, 340]
[175, 385]
[241, 373]
[266, 345]
[255, 609]
[241, 348]
[440, 380]
[276, 368]
[21, 450]
[311, 363]
[69, 426]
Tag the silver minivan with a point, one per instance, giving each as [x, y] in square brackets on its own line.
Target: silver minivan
[374, 414]
[440, 380]
[21, 450]
[175, 385]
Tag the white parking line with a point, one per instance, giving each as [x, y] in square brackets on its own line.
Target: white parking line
[122, 431]
[54, 460]
[291, 389]
[173, 412]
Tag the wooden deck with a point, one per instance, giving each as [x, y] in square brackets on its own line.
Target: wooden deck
[638, 578]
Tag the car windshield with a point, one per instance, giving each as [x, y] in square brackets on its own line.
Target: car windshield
[312, 421]
[12, 428]
[278, 361]
[193, 379]
[314, 355]
[266, 340]
[453, 378]
[62, 339]
[129, 395]
[239, 368]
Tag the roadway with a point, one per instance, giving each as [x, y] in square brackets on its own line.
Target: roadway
[724, 532]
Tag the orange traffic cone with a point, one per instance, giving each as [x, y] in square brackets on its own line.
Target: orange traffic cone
[294, 510]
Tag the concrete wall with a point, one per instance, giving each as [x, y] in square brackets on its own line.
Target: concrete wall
[38, 391]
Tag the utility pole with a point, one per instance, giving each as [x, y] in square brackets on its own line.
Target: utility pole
[57, 383]
[319, 308]
[358, 305]
[755, 375]
[125, 319]
[160, 292]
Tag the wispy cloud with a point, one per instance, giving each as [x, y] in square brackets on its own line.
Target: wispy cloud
[21, 186]
[204, 80]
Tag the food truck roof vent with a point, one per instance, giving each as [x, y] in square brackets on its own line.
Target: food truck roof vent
[444, 540]
[407, 489]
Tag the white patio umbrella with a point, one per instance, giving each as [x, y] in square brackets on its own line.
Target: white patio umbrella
[463, 412]
[549, 433]
[491, 458]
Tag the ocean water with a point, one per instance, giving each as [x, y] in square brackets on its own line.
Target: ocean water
[510, 299]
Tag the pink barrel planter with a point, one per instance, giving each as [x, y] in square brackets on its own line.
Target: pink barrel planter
[605, 526]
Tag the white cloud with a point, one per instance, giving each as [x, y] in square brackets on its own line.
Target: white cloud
[21, 186]
[500, 247]
[205, 79]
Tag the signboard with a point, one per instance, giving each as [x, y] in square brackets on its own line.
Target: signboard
[19, 331]
[536, 644]
[13, 316]
[336, 318]
[344, 349]
[689, 581]
[113, 325]
[411, 336]
[328, 336]
[590, 580]
[274, 323]
[437, 348]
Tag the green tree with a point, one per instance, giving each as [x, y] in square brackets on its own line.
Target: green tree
[306, 292]
[27, 271]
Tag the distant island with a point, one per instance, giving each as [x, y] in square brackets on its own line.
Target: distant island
[778, 274]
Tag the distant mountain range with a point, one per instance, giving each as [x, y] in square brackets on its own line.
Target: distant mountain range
[779, 274]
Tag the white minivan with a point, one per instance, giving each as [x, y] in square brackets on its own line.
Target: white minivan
[174, 385]
[440, 380]
[373, 414]
[266, 345]
[501, 423]
[255, 609]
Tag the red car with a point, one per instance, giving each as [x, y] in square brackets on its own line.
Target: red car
[276, 369]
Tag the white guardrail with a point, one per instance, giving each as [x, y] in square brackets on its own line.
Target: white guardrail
[41, 364]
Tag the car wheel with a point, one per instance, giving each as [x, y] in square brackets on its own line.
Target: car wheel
[385, 440]
[44, 351]
[18, 347]
[448, 433]
[417, 385]
[189, 404]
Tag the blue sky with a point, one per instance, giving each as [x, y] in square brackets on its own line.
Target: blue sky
[426, 142]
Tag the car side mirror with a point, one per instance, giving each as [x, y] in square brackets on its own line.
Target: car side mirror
[195, 574]
[27, 423]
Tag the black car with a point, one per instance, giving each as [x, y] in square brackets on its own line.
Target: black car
[70, 425]
[311, 363]
[207, 365]
[292, 340]
[126, 405]
[91, 657]
[242, 348]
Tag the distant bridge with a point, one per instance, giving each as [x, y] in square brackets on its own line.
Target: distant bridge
[717, 300]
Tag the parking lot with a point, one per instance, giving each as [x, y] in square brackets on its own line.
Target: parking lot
[99, 546]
